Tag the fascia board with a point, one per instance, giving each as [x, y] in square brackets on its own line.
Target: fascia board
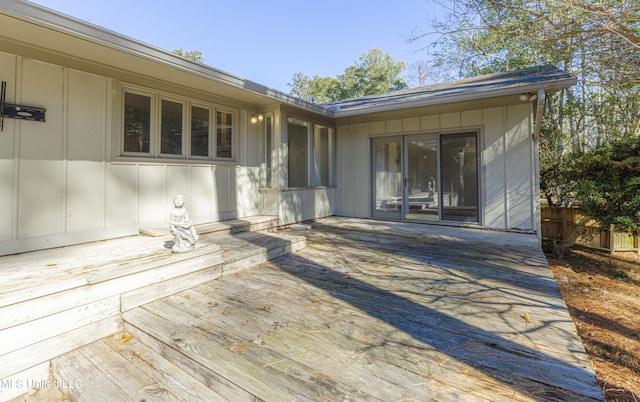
[50, 19]
[548, 86]
[91, 33]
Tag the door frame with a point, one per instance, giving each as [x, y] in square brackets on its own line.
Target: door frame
[377, 212]
[402, 137]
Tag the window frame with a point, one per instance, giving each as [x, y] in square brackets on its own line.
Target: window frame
[319, 164]
[155, 127]
[210, 134]
[184, 126]
[234, 124]
[268, 150]
[313, 153]
[152, 123]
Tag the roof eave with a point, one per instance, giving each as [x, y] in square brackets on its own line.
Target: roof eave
[548, 86]
[54, 20]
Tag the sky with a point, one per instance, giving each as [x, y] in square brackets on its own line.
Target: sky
[267, 42]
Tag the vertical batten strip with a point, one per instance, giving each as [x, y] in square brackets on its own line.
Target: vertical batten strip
[65, 151]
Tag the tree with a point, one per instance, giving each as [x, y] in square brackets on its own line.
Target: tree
[598, 40]
[314, 89]
[608, 184]
[494, 35]
[193, 55]
[375, 72]
[422, 73]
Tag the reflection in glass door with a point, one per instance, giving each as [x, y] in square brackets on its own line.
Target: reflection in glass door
[386, 169]
[433, 178]
[422, 177]
[459, 166]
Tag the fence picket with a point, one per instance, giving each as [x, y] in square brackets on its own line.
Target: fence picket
[558, 224]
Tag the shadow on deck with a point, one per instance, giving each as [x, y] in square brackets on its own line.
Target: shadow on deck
[368, 310]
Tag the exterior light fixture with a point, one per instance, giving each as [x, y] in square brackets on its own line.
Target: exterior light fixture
[256, 118]
[528, 97]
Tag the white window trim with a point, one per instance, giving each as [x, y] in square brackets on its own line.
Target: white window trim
[211, 133]
[312, 152]
[183, 154]
[155, 126]
[152, 122]
[234, 129]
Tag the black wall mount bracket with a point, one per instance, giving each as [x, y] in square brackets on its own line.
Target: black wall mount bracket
[17, 111]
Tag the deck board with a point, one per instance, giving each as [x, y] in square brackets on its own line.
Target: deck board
[379, 311]
[356, 355]
[296, 343]
[116, 368]
[263, 372]
[55, 301]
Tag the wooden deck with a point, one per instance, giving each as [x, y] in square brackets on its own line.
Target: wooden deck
[58, 300]
[369, 310]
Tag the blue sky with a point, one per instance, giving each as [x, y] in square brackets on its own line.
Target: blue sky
[266, 42]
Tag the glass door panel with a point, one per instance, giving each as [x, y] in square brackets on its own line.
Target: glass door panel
[459, 167]
[422, 177]
[386, 159]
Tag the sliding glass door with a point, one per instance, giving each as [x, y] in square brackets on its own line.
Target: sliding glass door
[426, 177]
[423, 181]
[386, 157]
[459, 177]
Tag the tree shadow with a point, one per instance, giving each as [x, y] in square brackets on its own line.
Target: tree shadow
[619, 356]
[423, 314]
[608, 266]
[604, 322]
[487, 259]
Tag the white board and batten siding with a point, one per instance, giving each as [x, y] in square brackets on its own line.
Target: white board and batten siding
[301, 204]
[61, 182]
[507, 171]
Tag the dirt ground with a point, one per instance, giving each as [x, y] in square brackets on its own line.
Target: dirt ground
[603, 295]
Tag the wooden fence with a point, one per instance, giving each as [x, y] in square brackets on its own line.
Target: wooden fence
[559, 223]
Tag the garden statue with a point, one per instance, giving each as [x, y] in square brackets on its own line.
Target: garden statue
[181, 227]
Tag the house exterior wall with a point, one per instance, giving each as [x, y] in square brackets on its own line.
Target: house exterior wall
[63, 181]
[301, 204]
[297, 204]
[509, 198]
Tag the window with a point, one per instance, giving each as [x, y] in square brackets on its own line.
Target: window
[297, 134]
[171, 128]
[199, 131]
[322, 161]
[224, 134]
[156, 126]
[137, 123]
[310, 161]
[268, 151]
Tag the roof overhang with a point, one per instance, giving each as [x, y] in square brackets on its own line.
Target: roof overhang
[37, 32]
[526, 81]
[47, 35]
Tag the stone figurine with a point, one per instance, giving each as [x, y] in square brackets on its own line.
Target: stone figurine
[181, 227]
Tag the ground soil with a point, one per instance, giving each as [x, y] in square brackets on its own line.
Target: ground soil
[603, 295]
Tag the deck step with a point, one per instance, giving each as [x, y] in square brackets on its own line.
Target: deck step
[258, 223]
[122, 368]
[79, 297]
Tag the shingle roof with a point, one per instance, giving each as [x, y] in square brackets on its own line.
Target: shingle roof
[547, 77]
